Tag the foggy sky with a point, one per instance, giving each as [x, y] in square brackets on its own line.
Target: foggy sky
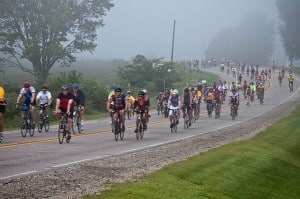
[145, 26]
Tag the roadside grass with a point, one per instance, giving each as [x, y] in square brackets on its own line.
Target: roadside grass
[266, 166]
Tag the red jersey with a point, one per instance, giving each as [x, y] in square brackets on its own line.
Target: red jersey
[141, 103]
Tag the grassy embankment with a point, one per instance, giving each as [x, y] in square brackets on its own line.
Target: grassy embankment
[266, 166]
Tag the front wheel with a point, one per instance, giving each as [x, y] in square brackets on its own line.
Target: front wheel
[47, 124]
[116, 130]
[23, 129]
[61, 135]
[76, 123]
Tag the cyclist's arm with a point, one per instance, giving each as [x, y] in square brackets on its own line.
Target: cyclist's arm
[81, 98]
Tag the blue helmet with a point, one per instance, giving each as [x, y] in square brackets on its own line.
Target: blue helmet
[74, 85]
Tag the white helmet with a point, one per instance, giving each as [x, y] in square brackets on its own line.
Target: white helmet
[175, 92]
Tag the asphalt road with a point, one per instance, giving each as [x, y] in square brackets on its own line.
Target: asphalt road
[21, 156]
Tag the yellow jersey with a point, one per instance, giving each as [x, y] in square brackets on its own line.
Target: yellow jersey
[2, 94]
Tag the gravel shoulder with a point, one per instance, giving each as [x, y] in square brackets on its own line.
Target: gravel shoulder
[92, 177]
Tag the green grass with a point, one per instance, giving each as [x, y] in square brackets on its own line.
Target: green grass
[267, 166]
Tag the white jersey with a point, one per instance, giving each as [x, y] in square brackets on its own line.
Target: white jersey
[44, 97]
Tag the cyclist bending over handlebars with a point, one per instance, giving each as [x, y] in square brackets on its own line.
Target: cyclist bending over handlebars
[119, 104]
[142, 105]
[64, 104]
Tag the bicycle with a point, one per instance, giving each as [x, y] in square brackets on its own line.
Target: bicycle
[209, 109]
[217, 110]
[63, 129]
[116, 127]
[166, 112]
[261, 98]
[233, 111]
[160, 107]
[186, 119]
[130, 113]
[27, 125]
[76, 121]
[291, 86]
[44, 120]
[280, 81]
[140, 133]
[174, 120]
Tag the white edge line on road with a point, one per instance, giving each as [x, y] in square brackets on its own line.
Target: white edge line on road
[19, 174]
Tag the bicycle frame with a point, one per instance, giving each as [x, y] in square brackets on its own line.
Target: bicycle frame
[26, 121]
[117, 126]
[173, 119]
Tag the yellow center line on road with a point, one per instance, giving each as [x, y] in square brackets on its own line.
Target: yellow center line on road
[52, 139]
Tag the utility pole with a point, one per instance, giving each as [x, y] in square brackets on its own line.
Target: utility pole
[173, 41]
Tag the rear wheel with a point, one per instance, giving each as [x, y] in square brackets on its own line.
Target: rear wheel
[47, 124]
[186, 121]
[31, 129]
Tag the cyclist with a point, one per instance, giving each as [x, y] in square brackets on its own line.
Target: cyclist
[65, 104]
[209, 99]
[44, 97]
[2, 110]
[248, 94]
[142, 104]
[218, 98]
[129, 100]
[291, 81]
[261, 91]
[174, 103]
[187, 103]
[159, 100]
[79, 101]
[146, 95]
[29, 94]
[119, 104]
[109, 96]
[280, 77]
[234, 99]
[232, 86]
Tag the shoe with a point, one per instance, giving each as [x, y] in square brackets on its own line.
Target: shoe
[68, 137]
[190, 123]
[148, 115]
[177, 122]
[145, 127]
[136, 130]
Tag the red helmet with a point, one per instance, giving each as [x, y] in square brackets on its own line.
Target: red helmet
[26, 85]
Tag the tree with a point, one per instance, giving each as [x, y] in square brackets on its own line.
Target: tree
[289, 27]
[44, 33]
[251, 41]
[151, 74]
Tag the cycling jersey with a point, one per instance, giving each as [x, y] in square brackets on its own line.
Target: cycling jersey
[174, 100]
[27, 94]
[118, 101]
[290, 79]
[79, 97]
[130, 99]
[2, 96]
[64, 100]
[44, 97]
[186, 98]
[141, 103]
[210, 96]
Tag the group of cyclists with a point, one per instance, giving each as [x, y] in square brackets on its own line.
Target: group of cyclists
[66, 100]
[168, 101]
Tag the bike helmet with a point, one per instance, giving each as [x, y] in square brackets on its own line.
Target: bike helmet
[141, 93]
[118, 89]
[26, 85]
[128, 92]
[186, 89]
[74, 85]
[64, 88]
[145, 91]
[175, 92]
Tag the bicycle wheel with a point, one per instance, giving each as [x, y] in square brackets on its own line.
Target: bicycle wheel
[173, 122]
[46, 124]
[31, 129]
[61, 134]
[23, 129]
[76, 123]
[140, 129]
[186, 121]
[116, 130]
[40, 125]
[121, 134]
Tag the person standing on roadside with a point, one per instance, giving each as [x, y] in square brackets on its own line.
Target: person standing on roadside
[2, 111]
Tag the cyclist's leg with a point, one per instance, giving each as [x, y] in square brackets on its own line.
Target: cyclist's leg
[136, 122]
[122, 120]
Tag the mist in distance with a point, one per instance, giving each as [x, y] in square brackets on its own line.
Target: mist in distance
[145, 27]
